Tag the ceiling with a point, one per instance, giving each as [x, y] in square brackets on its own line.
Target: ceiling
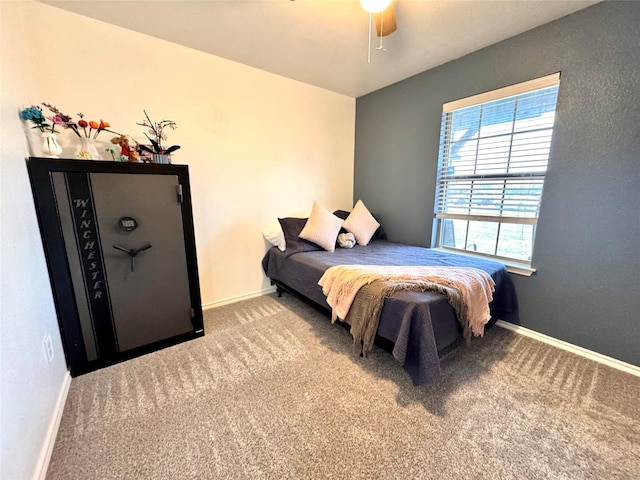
[325, 42]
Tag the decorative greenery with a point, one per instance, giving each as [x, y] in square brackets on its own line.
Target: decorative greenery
[111, 151]
[156, 130]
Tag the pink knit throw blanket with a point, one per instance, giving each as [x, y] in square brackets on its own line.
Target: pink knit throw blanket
[341, 284]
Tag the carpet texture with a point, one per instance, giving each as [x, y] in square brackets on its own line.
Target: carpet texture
[273, 390]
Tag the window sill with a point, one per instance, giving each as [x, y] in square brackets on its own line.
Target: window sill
[519, 269]
[512, 267]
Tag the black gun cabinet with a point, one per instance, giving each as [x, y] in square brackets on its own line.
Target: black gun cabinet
[120, 250]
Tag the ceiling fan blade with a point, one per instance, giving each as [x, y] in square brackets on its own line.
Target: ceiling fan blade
[386, 19]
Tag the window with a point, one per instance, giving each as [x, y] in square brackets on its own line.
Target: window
[494, 150]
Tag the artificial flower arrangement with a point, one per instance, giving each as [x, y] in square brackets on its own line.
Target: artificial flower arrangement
[88, 131]
[95, 128]
[35, 115]
[93, 125]
[156, 130]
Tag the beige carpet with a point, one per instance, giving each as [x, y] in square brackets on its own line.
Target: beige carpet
[274, 391]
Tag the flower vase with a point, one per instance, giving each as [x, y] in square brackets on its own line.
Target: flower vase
[34, 140]
[88, 149]
[160, 158]
[50, 146]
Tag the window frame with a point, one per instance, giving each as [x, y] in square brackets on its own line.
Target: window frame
[515, 265]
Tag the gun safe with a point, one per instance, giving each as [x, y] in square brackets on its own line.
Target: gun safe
[120, 250]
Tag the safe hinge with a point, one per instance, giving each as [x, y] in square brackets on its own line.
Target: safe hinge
[179, 192]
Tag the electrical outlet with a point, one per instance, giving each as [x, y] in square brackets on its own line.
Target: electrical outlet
[48, 348]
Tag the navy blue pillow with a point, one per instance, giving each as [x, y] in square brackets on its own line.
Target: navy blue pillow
[291, 227]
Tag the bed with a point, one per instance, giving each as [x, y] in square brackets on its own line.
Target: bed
[420, 325]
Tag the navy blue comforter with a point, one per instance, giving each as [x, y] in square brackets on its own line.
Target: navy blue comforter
[418, 323]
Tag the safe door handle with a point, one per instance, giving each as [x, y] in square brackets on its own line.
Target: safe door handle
[132, 252]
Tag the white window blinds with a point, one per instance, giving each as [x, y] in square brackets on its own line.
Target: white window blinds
[494, 150]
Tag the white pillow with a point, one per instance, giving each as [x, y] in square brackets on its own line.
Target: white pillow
[361, 223]
[275, 236]
[322, 228]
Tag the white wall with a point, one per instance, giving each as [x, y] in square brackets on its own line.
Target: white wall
[29, 386]
[258, 146]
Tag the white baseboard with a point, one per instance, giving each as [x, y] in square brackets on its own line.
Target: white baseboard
[237, 298]
[583, 352]
[52, 431]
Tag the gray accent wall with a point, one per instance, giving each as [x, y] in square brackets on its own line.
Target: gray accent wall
[586, 290]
